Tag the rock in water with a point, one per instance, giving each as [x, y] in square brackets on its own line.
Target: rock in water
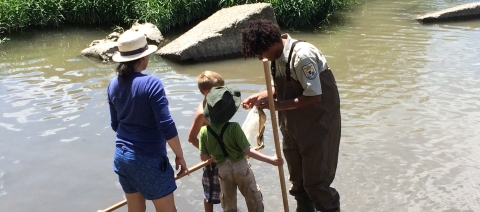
[461, 12]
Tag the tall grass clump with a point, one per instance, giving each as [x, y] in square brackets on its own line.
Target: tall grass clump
[13, 15]
[45, 12]
[98, 12]
[18, 14]
[306, 13]
[170, 13]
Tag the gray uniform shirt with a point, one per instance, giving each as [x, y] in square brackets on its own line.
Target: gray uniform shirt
[306, 65]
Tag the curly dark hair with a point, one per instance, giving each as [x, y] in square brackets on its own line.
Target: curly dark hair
[258, 36]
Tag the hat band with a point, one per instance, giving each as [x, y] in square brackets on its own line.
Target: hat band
[136, 51]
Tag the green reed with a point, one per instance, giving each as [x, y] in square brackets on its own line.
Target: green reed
[306, 13]
[20, 14]
[98, 12]
[17, 15]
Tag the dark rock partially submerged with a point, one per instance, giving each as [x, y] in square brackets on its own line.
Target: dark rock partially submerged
[461, 12]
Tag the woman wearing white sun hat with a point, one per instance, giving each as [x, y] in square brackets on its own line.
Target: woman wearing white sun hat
[141, 119]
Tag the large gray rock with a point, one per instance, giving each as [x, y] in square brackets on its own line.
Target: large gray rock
[461, 12]
[154, 36]
[104, 49]
[217, 37]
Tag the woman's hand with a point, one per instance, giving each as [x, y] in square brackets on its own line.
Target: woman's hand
[180, 163]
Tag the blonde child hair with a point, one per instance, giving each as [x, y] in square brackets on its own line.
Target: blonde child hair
[209, 79]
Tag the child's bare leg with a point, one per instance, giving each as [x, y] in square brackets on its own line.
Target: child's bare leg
[208, 206]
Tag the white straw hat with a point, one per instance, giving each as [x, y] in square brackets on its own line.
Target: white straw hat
[132, 45]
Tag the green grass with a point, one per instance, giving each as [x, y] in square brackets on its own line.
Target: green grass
[16, 15]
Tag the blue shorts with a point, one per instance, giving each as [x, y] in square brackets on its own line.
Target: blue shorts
[211, 184]
[152, 177]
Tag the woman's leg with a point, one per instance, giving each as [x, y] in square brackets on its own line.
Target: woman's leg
[135, 202]
[165, 204]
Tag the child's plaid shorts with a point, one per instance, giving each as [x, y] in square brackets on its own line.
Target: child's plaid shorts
[211, 184]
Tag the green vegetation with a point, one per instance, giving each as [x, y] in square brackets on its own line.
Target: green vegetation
[16, 15]
[306, 13]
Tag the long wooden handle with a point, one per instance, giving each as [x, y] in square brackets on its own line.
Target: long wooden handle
[271, 107]
[192, 169]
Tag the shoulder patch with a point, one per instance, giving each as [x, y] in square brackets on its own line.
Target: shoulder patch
[309, 71]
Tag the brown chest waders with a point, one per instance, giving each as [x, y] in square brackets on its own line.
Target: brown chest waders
[311, 139]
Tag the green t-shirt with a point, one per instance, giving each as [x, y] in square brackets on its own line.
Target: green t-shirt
[234, 139]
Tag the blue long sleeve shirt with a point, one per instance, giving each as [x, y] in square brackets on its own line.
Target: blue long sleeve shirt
[140, 115]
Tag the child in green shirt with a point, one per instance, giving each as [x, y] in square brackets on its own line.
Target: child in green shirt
[211, 186]
[228, 144]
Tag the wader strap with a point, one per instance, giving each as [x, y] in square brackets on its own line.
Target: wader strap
[220, 137]
[273, 71]
[273, 67]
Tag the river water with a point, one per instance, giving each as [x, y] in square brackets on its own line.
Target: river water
[410, 114]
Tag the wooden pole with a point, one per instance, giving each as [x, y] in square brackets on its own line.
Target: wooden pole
[192, 169]
[271, 107]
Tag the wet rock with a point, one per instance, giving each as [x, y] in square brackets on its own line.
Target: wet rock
[104, 49]
[154, 36]
[461, 12]
[217, 37]
[100, 49]
[113, 36]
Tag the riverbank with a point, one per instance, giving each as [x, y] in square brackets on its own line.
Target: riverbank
[18, 15]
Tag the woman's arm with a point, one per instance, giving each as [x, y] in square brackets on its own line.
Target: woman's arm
[113, 117]
[299, 102]
[113, 112]
[174, 144]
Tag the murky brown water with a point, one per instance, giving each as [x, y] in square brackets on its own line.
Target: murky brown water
[410, 107]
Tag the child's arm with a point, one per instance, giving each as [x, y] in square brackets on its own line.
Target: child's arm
[204, 157]
[261, 157]
[198, 122]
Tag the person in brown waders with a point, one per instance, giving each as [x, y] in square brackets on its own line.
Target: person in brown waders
[308, 106]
